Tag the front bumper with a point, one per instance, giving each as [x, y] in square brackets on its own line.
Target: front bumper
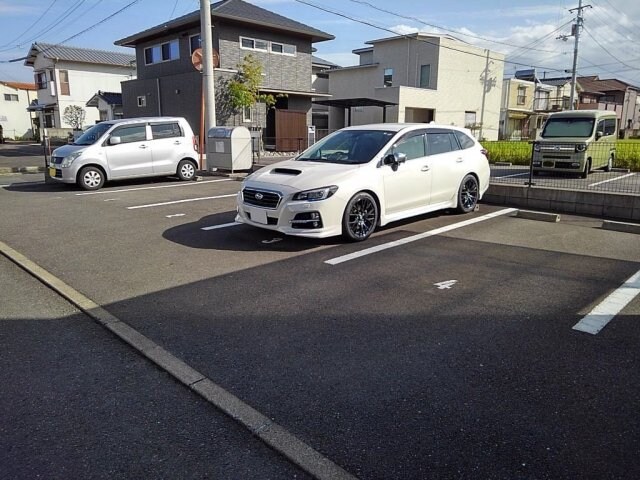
[64, 175]
[283, 217]
[559, 159]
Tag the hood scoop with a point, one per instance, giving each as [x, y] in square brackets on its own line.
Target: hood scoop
[286, 171]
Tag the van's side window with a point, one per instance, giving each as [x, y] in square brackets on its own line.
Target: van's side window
[610, 126]
[131, 133]
[166, 130]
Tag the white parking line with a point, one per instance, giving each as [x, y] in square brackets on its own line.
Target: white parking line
[612, 179]
[513, 175]
[224, 225]
[189, 184]
[420, 236]
[598, 318]
[176, 215]
[180, 201]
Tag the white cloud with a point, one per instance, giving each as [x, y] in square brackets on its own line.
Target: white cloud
[11, 8]
[344, 59]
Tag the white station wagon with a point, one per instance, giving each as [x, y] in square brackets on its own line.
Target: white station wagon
[359, 178]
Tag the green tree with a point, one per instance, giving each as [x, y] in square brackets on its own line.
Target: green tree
[74, 116]
[244, 87]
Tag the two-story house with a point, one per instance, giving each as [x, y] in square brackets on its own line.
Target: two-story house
[419, 78]
[66, 75]
[15, 121]
[320, 85]
[168, 84]
[612, 94]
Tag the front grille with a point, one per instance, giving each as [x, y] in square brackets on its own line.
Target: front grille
[566, 165]
[261, 198]
[58, 173]
[557, 157]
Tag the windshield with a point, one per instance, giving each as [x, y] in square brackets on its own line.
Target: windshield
[348, 147]
[568, 127]
[92, 135]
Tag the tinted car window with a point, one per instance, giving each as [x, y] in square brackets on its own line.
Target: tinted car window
[610, 126]
[411, 145]
[464, 140]
[441, 143]
[92, 135]
[131, 133]
[347, 146]
[166, 130]
[568, 127]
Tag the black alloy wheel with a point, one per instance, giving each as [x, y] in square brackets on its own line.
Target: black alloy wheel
[468, 194]
[360, 217]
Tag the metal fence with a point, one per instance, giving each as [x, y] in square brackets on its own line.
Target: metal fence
[597, 167]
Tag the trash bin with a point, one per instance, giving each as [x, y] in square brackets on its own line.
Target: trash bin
[229, 148]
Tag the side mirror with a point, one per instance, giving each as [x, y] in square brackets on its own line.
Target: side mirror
[599, 134]
[115, 141]
[394, 159]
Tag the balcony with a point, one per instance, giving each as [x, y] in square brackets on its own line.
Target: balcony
[614, 107]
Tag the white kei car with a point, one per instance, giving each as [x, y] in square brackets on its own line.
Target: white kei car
[359, 178]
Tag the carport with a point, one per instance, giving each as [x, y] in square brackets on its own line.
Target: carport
[348, 103]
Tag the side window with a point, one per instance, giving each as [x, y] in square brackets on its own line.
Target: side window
[610, 126]
[131, 133]
[440, 143]
[600, 127]
[411, 145]
[165, 130]
[464, 140]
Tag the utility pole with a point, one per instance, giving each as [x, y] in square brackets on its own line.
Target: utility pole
[484, 95]
[206, 38]
[576, 34]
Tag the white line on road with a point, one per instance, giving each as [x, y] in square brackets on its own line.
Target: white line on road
[186, 184]
[513, 175]
[176, 215]
[224, 225]
[612, 179]
[598, 318]
[420, 236]
[111, 199]
[180, 201]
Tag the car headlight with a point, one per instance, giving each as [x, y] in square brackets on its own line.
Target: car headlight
[316, 194]
[581, 147]
[68, 160]
[536, 147]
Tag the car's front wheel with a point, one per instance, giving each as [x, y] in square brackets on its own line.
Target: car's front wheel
[91, 178]
[360, 217]
[186, 170]
[468, 194]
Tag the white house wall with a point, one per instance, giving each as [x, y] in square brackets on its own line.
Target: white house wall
[14, 118]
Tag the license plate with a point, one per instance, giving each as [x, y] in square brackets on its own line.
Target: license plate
[52, 172]
[258, 215]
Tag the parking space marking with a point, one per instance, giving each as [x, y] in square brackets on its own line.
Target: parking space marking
[181, 201]
[191, 184]
[176, 215]
[612, 180]
[112, 199]
[224, 225]
[606, 310]
[420, 236]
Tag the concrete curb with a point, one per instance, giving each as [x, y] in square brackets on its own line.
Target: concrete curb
[539, 216]
[621, 227]
[29, 169]
[279, 439]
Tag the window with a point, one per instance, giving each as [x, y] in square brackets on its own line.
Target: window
[388, 77]
[254, 44]
[522, 95]
[607, 126]
[440, 143]
[41, 80]
[131, 133]
[411, 145]
[464, 140]
[164, 52]
[425, 76]
[246, 114]
[64, 82]
[194, 43]
[10, 97]
[142, 101]
[469, 119]
[283, 48]
[165, 130]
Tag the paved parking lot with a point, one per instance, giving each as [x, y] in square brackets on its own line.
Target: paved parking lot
[443, 347]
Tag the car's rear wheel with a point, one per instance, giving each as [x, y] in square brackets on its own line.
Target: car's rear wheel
[468, 194]
[360, 217]
[186, 170]
[91, 178]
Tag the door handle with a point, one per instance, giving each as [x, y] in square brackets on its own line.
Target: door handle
[142, 146]
[426, 168]
[459, 160]
[177, 142]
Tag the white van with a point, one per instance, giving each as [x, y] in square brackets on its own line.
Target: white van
[128, 148]
[576, 141]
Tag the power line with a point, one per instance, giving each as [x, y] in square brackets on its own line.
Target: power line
[607, 51]
[173, 9]
[364, 22]
[415, 19]
[30, 26]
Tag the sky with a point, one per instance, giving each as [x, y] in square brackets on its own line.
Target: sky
[526, 31]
